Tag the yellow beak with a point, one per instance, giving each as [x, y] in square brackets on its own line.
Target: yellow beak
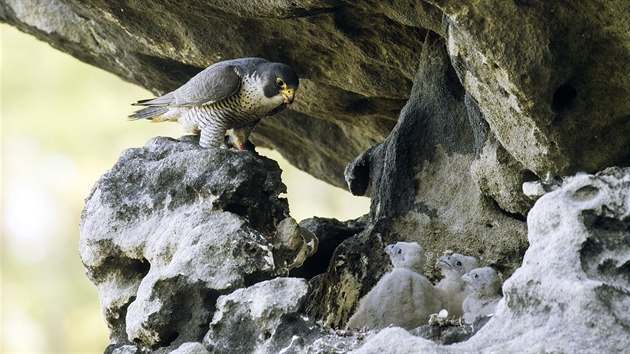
[288, 94]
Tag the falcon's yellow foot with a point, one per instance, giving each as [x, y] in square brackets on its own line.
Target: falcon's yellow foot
[238, 143]
[233, 143]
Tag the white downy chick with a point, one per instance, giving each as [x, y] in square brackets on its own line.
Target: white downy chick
[453, 267]
[402, 297]
[407, 255]
[485, 293]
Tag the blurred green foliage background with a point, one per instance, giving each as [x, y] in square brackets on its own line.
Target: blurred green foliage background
[63, 125]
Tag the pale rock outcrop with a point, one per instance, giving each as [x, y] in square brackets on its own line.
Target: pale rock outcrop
[572, 293]
[172, 226]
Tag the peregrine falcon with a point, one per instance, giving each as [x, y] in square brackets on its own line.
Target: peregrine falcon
[233, 94]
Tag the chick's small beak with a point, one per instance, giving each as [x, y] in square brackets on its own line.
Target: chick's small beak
[444, 263]
[288, 94]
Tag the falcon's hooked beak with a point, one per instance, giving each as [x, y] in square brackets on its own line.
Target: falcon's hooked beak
[288, 94]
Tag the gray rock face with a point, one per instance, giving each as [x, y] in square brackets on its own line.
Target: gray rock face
[417, 195]
[440, 110]
[258, 313]
[554, 93]
[572, 293]
[576, 271]
[257, 320]
[266, 322]
[536, 86]
[172, 226]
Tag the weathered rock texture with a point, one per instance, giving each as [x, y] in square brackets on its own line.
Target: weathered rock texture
[572, 293]
[419, 193]
[443, 109]
[160, 281]
[259, 313]
[172, 226]
[553, 89]
[268, 323]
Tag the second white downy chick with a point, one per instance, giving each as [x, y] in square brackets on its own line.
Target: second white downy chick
[453, 267]
[485, 293]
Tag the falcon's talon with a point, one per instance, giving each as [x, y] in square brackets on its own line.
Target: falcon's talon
[232, 94]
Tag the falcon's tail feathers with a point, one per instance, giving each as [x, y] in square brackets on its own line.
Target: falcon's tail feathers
[156, 107]
[148, 112]
[164, 100]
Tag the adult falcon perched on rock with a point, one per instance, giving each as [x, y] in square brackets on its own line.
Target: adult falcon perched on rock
[233, 94]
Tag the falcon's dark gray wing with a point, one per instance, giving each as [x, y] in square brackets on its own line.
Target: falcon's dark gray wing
[165, 100]
[215, 83]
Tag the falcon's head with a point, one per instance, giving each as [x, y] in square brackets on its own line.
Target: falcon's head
[279, 81]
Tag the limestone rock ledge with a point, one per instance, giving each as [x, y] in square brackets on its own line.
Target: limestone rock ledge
[172, 226]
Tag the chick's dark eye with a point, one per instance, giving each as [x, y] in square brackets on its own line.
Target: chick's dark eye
[476, 276]
[399, 251]
[279, 82]
[459, 263]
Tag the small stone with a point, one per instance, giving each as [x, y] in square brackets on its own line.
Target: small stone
[190, 348]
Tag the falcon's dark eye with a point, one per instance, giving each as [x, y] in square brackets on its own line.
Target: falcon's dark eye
[280, 83]
[459, 264]
[476, 276]
[399, 251]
